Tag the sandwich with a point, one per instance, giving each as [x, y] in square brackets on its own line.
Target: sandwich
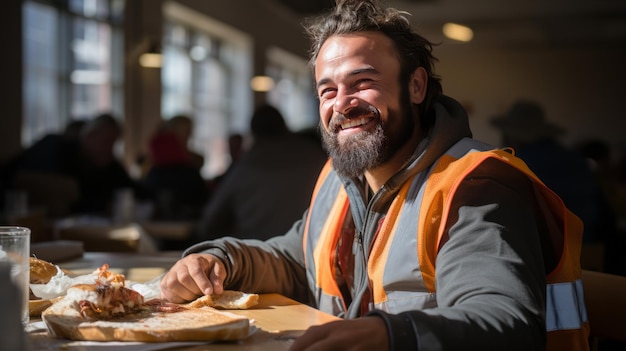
[64, 320]
[41, 272]
[107, 310]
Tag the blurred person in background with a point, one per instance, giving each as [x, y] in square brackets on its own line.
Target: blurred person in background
[173, 177]
[237, 145]
[88, 159]
[526, 130]
[181, 126]
[269, 186]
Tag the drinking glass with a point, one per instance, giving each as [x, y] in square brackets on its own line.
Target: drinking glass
[15, 249]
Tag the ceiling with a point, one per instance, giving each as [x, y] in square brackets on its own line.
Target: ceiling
[511, 23]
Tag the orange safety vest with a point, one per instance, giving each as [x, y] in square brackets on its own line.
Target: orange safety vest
[566, 319]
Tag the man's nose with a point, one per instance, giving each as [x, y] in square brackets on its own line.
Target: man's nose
[344, 102]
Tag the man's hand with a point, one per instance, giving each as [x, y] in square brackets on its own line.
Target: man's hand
[367, 333]
[193, 276]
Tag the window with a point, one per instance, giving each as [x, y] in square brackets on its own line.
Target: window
[293, 93]
[73, 63]
[206, 69]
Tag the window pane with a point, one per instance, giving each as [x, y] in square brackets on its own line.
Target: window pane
[176, 75]
[41, 96]
[73, 63]
[293, 90]
[211, 115]
[90, 8]
[90, 76]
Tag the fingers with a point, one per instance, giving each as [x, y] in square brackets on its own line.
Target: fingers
[172, 287]
[193, 276]
[217, 277]
[196, 277]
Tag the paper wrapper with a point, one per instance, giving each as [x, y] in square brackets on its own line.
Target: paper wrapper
[58, 285]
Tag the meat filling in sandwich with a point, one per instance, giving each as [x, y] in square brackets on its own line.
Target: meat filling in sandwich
[107, 298]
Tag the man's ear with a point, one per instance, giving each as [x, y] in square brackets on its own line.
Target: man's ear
[417, 85]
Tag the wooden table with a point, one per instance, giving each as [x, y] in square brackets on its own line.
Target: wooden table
[276, 320]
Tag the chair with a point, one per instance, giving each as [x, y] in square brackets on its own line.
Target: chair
[605, 297]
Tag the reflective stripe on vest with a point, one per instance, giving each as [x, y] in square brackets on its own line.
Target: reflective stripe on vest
[565, 307]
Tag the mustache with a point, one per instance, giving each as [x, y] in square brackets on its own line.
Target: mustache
[338, 118]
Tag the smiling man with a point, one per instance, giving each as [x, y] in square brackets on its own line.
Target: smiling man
[367, 118]
[419, 236]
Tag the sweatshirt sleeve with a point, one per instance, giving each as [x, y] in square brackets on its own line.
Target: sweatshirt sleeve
[272, 266]
[490, 275]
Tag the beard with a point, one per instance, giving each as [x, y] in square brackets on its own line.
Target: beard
[367, 150]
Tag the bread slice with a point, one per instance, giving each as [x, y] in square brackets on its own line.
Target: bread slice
[198, 324]
[229, 300]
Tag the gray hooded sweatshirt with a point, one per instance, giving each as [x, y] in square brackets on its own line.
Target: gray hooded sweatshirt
[490, 277]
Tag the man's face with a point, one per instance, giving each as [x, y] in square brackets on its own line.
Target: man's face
[365, 115]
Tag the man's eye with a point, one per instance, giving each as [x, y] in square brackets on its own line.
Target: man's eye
[326, 93]
[364, 83]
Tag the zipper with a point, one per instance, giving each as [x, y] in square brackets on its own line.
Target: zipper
[361, 282]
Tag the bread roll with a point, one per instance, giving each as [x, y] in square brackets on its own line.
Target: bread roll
[35, 307]
[41, 271]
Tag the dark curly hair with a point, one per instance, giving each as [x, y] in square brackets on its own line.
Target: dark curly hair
[353, 16]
